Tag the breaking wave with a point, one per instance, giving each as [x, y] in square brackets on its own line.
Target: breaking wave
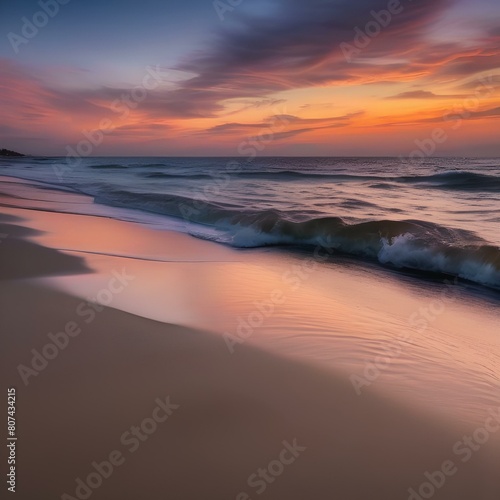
[409, 244]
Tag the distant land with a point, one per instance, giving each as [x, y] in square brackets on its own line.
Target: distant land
[8, 152]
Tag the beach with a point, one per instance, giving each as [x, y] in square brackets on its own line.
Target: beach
[244, 373]
[250, 250]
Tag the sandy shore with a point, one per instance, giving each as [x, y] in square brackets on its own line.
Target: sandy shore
[174, 413]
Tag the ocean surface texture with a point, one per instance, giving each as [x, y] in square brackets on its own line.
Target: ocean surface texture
[435, 216]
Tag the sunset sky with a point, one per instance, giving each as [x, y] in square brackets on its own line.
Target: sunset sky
[299, 77]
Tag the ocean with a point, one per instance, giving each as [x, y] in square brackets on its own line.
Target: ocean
[439, 216]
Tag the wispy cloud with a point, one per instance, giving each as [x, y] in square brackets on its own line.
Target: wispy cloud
[425, 94]
[294, 125]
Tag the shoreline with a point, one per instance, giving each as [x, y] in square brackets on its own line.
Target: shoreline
[475, 266]
[229, 417]
[385, 332]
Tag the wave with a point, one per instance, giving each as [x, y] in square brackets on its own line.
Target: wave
[149, 165]
[164, 175]
[110, 166]
[467, 181]
[283, 175]
[190, 209]
[408, 244]
[296, 175]
[463, 181]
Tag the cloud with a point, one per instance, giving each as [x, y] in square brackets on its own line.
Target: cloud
[253, 57]
[490, 81]
[321, 105]
[445, 116]
[298, 46]
[275, 123]
[261, 103]
[292, 133]
[462, 115]
[487, 113]
[425, 94]
[233, 127]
